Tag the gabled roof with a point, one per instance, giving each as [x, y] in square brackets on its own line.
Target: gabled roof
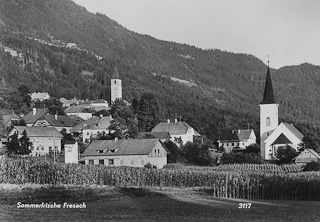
[177, 128]
[30, 118]
[39, 131]
[121, 147]
[294, 130]
[75, 109]
[268, 97]
[155, 135]
[100, 101]
[235, 135]
[38, 95]
[282, 139]
[115, 73]
[61, 121]
[94, 123]
[9, 115]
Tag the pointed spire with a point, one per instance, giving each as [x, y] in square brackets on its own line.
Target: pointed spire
[115, 73]
[268, 97]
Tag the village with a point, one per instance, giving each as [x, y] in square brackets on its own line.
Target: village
[48, 141]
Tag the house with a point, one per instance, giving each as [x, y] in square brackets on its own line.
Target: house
[272, 134]
[86, 103]
[57, 121]
[133, 152]
[162, 136]
[78, 111]
[177, 130]
[92, 127]
[100, 126]
[10, 118]
[43, 139]
[307, 156]
[100, 104]
[67, 103]
[236, 138]
[39, 96]
[31, 117]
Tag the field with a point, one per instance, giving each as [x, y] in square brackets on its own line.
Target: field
[105, 203]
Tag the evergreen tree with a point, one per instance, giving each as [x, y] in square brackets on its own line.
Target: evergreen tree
[148, 112]
[25, 144]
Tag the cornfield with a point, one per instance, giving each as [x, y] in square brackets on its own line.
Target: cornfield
[234, 184]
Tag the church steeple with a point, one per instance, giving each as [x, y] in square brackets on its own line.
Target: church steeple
[115, 73]
[268, 96]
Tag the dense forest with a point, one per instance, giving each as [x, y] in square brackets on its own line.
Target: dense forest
[226, 87]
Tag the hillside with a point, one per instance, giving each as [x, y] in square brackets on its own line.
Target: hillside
[226, 87]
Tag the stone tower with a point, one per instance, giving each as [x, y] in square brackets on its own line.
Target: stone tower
[268, 115]
[116, 86]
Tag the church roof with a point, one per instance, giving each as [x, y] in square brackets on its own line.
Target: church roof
[294, 130]
[268, 97]
[282, 139]
[115, 73]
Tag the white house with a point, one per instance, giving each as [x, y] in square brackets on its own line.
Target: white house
[133, 152]
[236, 138]
[273, 135]
[100, 104]
[43, 139]
[78, 111]
[177, 130]
[39, 96]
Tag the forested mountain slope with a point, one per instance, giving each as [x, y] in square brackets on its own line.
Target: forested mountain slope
[227, 87]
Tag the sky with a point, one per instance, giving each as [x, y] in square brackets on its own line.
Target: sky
[285, 31]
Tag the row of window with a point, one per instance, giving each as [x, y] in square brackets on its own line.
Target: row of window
[231, 144]
[111, 162]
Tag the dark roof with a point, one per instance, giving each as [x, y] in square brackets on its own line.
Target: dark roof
[61, 121]
[149, 135]
[121, 147]
[93, 123]
[268, 97]
[282, 139]
[39, 131]
[8, 116]
[115, 73]
[70, 142]
[30, 118]
[176, 128]
[235, 135]
[99, 101]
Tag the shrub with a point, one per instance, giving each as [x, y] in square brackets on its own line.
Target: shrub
[312, 166]
[285, 154]
[232, 158]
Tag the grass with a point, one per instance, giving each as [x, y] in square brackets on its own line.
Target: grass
[105, 203]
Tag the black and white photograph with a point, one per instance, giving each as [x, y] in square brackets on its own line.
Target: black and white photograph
[160, 110]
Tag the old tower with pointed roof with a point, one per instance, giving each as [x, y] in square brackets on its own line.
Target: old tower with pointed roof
[269, 119]
[116, 86]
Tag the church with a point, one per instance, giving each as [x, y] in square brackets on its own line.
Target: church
[273, 134]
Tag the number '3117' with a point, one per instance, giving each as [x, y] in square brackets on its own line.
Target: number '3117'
[244, 205]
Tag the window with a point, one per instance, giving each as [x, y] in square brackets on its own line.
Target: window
[111, 162]
[232, 144]
[101, 162]
[268, 121]
[90, 162]
[115, 82]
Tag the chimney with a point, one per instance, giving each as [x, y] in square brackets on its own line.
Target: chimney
[115, 139]
[34, 111]
[168, 120]
[175, 120]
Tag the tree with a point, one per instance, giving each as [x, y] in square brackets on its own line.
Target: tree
[25, 144]
[175, 154]
[148, 112]
[54, 106]
[124, 124]
[285, 154]
[19, 147]
[197, 154]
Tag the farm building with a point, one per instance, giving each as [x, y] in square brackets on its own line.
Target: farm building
[236, 138]
[306, 156]
[133, 152]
